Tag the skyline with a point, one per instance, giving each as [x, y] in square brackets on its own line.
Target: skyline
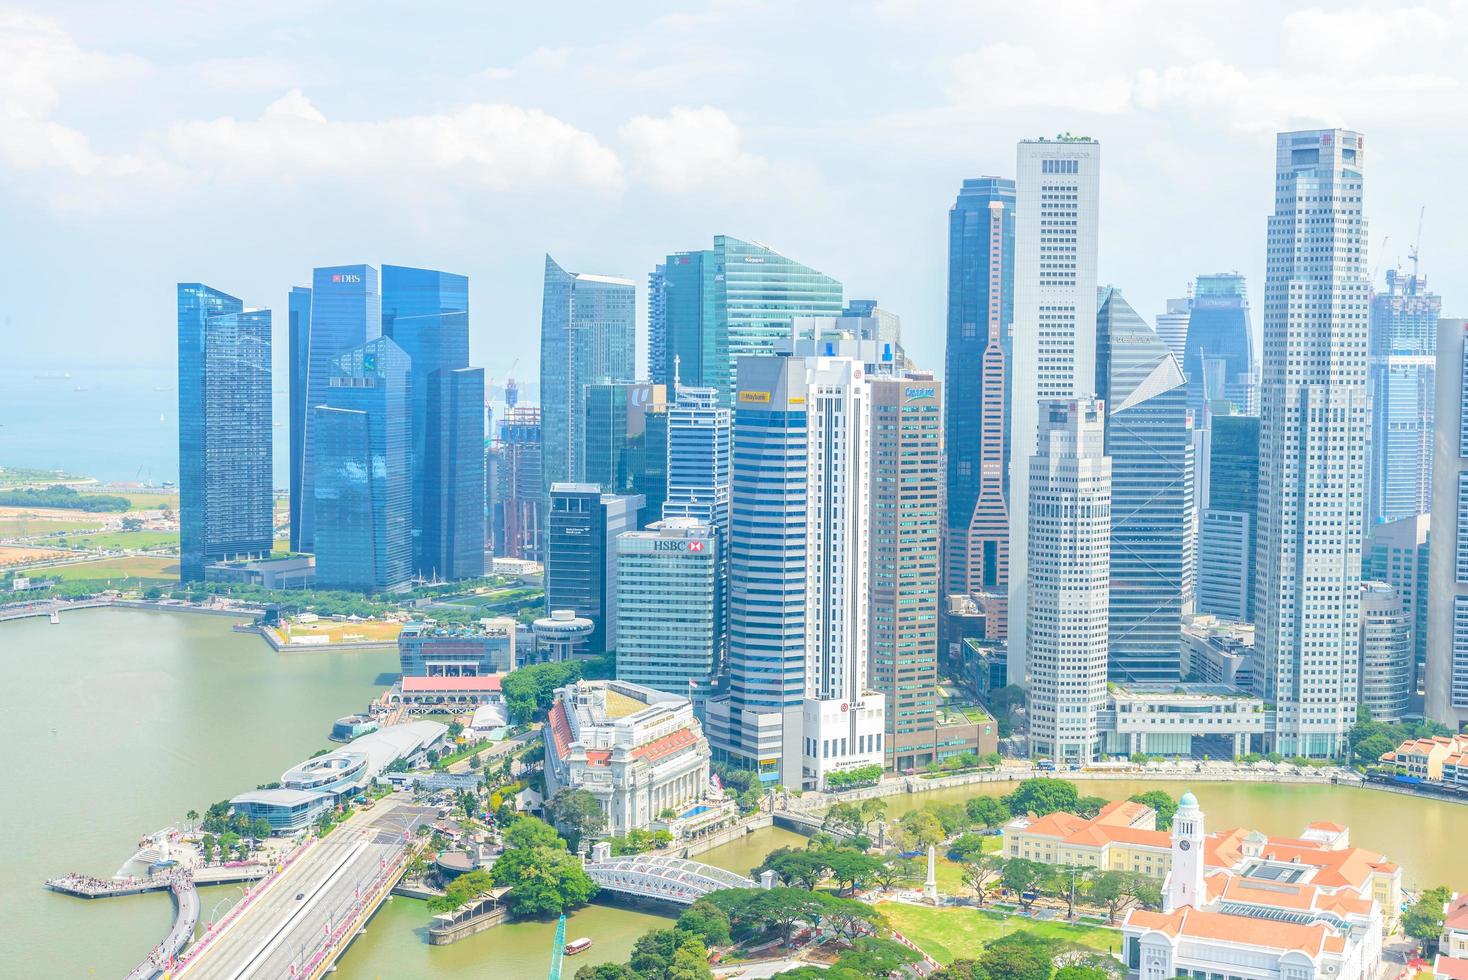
[639, 149]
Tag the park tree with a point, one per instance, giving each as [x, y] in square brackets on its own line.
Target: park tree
[606, 971]
[577, 813]
[706, 921]
[1162, 803]
[987, 811]
[919, 829]
[851, 867]
[1043, 795]
[967, 847]
[960, 970]
[873, 813]
[1019, 956]
[461, 890]
[1090, 806]
[845, 818]
[532, 832]
[1423, 919]
[1024, 877]
[1078, 972]
[983, 874]
[806, 869]
[1118, 891]
[544, 881]
[1067, 883]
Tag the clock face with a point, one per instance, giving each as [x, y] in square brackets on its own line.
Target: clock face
[1185, 845]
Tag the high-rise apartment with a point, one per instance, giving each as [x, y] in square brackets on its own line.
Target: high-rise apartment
[1149, 439]
[226, 506]
[426, 313]
[798, 705]
[1057, 198]
[1312, 442]
[1446, 681]
[906, 554]
[362, 494]
[1219, 357]
[736, 299]
[977, 362]
[587, 335]
[341, 311]
[667, 608]
[1068, 600]
[581, 555]
[1403, 349]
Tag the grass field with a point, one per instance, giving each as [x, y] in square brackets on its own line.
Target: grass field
[29, 527]
[348, 632]
[948, 934]
[142, 569]
[20, 554]
[149, 501]
[115, 540]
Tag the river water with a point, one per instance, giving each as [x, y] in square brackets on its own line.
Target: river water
[116, 722]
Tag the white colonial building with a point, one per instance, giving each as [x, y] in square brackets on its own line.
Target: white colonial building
[639, 751]
[1270, 916]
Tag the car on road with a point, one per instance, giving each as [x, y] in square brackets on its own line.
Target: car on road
[300, 895]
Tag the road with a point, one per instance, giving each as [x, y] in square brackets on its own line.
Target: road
[279, 932]
[500, 748]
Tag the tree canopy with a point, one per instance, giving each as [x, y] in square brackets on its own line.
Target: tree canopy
[529, 691]
[1043, 795]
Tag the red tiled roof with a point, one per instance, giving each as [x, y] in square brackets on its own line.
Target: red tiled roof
[661, 748]
[1264, 933]
[1451, 967]
[433, 685]
[1457, 917]
[560, 729]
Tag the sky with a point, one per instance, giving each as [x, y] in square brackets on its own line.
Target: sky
[243, 142]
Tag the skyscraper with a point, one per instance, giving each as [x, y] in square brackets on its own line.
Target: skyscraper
[1219, 359]
[581, 555]
[1057, 200]
[1397, 553]
[1228, 524]
[1150, 441]
[363, 497]
[625, 433]
[977, 361]
[519, 497]
[667, 608]
[587, 334]
[298, 339]
[906, 555]
[1172, 326]
[1312, 442]
[797, 705]
[735, 299]
[1446, 681]
[657, 325]
[226, 505]
[426, 313]
[1386, 653]
[1070, 550]
[345, 312]
[1403, 348]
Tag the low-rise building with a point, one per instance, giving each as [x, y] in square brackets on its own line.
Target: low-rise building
[1219, 652]
[640, 752]
[426, 650]
[1452, 946]
[1257, 908]
[1425, 758]
[562, 635]
[439, 693]
[285, 572]
[1185, 720]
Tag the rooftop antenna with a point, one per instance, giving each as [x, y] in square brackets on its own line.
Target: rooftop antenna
[677, 362]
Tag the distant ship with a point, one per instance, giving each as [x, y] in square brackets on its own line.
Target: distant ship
[163, 387]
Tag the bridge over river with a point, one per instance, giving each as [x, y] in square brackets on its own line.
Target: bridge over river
[661, 877]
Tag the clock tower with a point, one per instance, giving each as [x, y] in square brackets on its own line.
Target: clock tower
[1185, 881]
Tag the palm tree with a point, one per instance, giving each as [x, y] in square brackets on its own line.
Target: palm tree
[193, 818]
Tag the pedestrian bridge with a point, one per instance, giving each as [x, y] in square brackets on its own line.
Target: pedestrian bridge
[667, 879]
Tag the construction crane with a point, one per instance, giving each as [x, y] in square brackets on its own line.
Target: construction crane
[1413, 253]
[558, 948]
[1381, 254]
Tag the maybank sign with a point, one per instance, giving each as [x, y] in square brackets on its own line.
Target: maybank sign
[757, 397]
[918, 394]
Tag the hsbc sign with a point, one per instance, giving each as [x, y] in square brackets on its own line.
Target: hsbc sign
[677, 545]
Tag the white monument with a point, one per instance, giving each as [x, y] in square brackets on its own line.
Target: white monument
[930, 888]
[1184, 885]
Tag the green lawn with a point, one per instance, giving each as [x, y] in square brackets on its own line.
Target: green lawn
[33, 526]
[114, 540]
[948, 934]
[145, 569]
[149, 501]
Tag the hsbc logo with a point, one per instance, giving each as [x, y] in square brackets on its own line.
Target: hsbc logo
[695, 546]
[345, 277]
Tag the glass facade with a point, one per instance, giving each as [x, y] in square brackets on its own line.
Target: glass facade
[657, 325]
[519, 487]
[427, 314]
[667, 616]
[580, 561]
[980, 315]
[587, 335]
[1402, 371]
[345, 312]
[299, 338]
[1219, 359]
[362, 493]
[226, 504]
[1150, 441]
[692, 337]
[1228, 525]
[626, 434]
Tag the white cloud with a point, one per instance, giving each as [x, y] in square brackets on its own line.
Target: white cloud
[497, 146]
[1359, 35]
[689, 149]
[1016, 76]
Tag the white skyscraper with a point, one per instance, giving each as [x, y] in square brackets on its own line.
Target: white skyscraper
[1446, 681]
[1312, 443]
[1069, 545]
[1054, 334]
[797, 705]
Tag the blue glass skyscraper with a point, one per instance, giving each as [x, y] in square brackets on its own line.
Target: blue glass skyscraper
[298, 340]
[224, 429]
[587, 335]
[363, 501]
[1401, 376]
[977, 377]
[1219, 357]
[345, 312]
[1150, 441]
[427, 314]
